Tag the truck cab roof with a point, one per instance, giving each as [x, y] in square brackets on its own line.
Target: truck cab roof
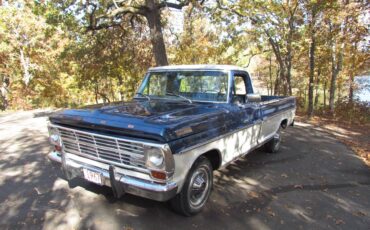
[195, 67]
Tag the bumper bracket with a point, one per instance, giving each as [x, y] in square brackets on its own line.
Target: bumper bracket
[117, 188]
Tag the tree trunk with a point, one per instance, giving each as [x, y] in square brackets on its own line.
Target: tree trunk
[305, 97]
[351, 79]
[270, 80]
[280, 78]
[332, 89]
[284, 78]
[334, 74]
[312, 61]
[351, 74]
[25, 62]
[156, 35]
[317, 88]
[324, 89]
[96, 91]
[337, 61]
[339, 97]
[277, 83]
[335, 69]
[106, 99]
[289, 59]
[289, 55]
[288, 79]
[283, 84]
[312, 71]
[316, 101]
[120, 82]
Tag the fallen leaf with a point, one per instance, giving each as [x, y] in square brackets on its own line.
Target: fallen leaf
[37, 191]
[253, 194]
[271, 213]
[284, 175]
[337, 222]
[359, 213]
[298, 186]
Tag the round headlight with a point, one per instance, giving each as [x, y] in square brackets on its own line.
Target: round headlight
[155, 158]
[54, 137]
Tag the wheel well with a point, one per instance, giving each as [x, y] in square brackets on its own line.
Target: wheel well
[214, 156]
[284, 123]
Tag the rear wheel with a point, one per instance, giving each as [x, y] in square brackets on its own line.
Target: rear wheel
[196, 190]
[273, 145]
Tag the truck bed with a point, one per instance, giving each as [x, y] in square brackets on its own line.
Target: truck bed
[271, 105]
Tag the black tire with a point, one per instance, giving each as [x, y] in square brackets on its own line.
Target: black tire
[186, 202]
[273, 145]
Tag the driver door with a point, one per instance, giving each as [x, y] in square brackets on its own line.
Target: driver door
[248, 113]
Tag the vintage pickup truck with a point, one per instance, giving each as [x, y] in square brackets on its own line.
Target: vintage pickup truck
[184, 122]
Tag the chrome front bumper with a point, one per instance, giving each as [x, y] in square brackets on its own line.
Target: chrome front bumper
[119, 182]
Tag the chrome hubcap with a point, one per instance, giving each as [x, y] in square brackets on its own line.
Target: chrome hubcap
[198, 188]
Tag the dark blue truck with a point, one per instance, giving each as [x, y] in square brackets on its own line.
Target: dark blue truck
[184, 123]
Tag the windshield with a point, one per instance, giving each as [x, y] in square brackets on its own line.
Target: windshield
[194, 85]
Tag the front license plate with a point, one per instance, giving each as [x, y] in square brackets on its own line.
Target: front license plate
[92, 176]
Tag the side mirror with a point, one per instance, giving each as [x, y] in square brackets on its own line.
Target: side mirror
[253, 97]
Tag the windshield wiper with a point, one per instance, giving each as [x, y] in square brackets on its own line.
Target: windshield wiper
[146, 96]
[176, 95]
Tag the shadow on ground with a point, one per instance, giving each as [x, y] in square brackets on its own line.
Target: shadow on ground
[314, 182]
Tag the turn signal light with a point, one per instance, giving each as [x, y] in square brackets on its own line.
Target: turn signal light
[159, 175]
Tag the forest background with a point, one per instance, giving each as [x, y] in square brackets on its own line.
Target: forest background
[67, 53]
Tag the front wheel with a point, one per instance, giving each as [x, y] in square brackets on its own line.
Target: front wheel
[196, 189]
[273, 145]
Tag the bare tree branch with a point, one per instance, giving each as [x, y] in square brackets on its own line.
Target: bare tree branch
[115, 4]
[103, 26]
[122, 10]
[253, 55]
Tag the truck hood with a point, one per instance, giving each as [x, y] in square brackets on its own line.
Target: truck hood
[156, 120]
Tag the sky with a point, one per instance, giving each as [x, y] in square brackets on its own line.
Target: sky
[177, 20]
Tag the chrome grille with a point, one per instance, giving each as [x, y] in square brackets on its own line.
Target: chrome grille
[108, 149]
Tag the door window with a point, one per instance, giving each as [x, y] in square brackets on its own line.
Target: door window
[239, 85]
[239, 92]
